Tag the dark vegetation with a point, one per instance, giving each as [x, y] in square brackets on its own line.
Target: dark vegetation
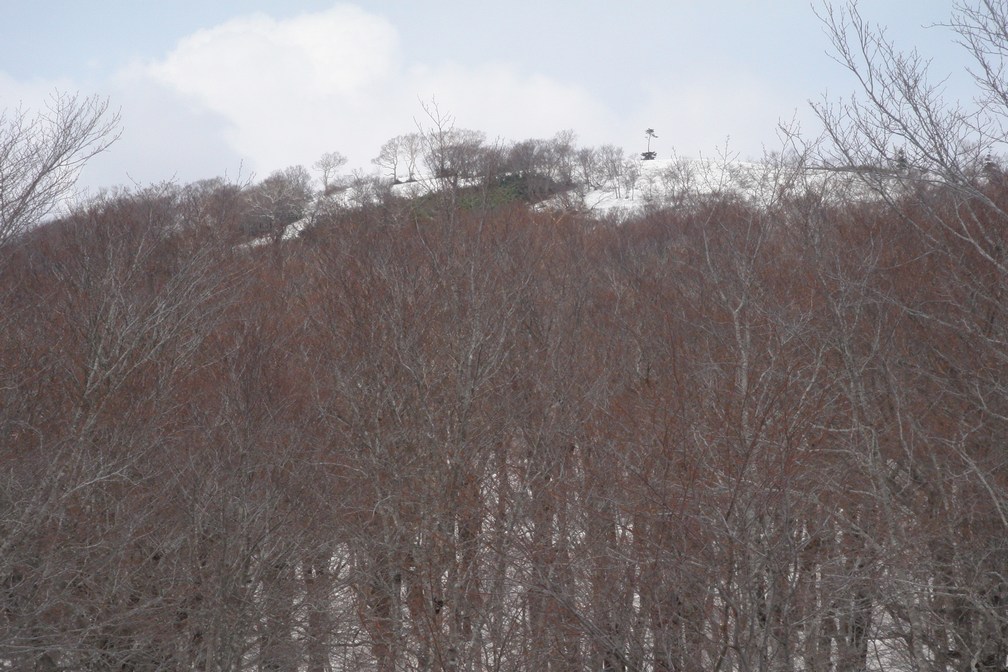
[490, 438]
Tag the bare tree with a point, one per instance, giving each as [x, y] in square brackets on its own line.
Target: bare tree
[327, 165]
[631, 173]
[412, 147]
[589, 167]
[562, 156]
[928, 159]
[281, 199]
[612, 164]
[389, 157]
[42, 154]
[458, 154]
[902, 117]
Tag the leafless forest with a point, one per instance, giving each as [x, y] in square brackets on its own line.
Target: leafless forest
[462, 432]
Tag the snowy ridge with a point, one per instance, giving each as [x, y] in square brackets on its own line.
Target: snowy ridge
[642, 185]
[681, 182]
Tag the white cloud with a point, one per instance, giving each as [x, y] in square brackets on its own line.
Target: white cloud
[288, 90]
[263, 93]
[163, 138]
[258, 93]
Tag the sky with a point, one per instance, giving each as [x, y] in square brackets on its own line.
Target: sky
[241, 88]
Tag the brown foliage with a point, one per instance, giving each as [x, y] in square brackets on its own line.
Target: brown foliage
[722, 438]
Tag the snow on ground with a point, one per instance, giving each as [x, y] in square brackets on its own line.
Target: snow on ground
[680, 181]
[643, 185]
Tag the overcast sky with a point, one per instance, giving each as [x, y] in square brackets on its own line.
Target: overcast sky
[214, 87]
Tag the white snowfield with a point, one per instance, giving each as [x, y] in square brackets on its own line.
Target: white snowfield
[643, 185]
[681, 182]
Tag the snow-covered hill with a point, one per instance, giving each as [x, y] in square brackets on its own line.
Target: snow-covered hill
[638, 186]
[677, 182]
